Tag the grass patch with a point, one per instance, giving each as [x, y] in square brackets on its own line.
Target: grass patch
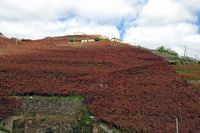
[73, 43]
[4, 130]
[188, 71]
[70, 97]
[86, 118]
[173, 57]
[190, 78]
[195, 79]
[110, 127]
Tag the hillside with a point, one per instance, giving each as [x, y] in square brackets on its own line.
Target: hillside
[174, 58]
[129, 88]
[186, 67]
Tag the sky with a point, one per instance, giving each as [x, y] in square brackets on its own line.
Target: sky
[148, 23]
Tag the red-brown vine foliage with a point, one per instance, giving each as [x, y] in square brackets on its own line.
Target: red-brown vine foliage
[127, 87]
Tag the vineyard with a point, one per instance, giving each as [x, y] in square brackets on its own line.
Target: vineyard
[124, 86]
[191, 73]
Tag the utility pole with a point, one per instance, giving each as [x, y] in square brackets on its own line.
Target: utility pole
[185, 51]
[16, 39]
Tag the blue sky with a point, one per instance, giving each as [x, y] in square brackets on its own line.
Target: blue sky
[198, 22]
[149, 23]
[121, 27]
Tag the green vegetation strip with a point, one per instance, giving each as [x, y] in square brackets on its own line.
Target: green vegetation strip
[86, 118]
[188, 71]
[108, 127]
[195, 79]
[70, 97]
[4, 130]
[173, 57]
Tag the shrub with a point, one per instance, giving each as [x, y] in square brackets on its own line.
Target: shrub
[13, 38]
[97, 39]
[166, 50]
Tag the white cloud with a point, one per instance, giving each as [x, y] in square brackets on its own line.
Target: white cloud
[151, 22]
[158, 12]
[192, 5]
[40, 18]
[111, 10]
[171, 36]
[169, 23]
[40, 29]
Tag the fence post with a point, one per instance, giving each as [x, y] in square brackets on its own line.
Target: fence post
[176, 123]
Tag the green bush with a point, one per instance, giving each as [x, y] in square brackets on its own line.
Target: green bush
[166, 50]
[97, 39]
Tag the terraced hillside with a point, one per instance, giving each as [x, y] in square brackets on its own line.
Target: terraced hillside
[126, 87]
[191, 73]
